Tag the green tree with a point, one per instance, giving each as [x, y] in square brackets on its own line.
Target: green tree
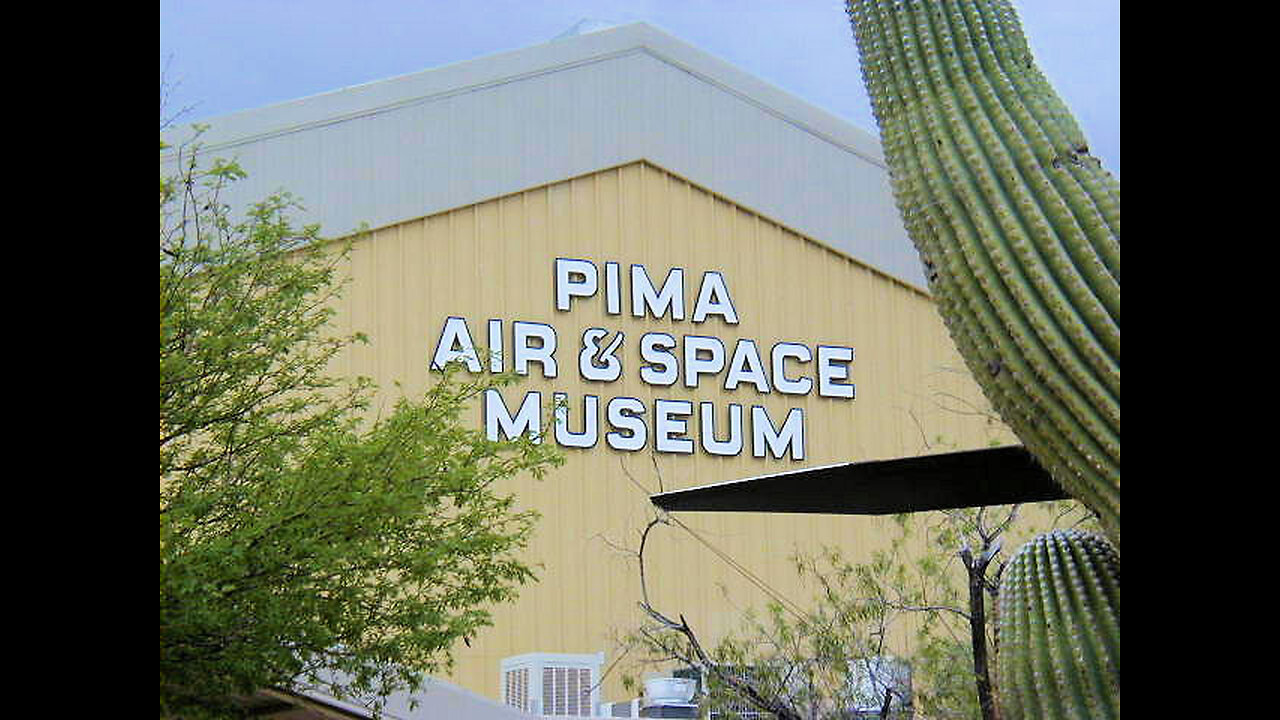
[301, 539]
[937, 578]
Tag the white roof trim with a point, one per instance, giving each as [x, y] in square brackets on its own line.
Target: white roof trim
[393, 150]
[469, 75]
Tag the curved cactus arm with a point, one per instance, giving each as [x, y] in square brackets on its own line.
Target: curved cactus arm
[1018, 227]
[1059, 629]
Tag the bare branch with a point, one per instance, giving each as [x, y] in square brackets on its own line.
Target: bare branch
[632, 478]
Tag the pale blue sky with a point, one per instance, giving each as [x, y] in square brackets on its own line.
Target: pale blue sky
[227, 55]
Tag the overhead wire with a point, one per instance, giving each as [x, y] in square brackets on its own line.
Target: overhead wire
[751, 577]
[741, 569]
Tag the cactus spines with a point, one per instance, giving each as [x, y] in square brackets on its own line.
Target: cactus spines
[1060, 629]
[1018, 226]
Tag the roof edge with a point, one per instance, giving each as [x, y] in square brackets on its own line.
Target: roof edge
[421, 86]
[718, 195]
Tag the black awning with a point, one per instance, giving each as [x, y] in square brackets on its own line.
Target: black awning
[991, 476]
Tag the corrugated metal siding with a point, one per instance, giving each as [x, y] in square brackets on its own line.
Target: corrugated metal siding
[495, 260]
[406, 147]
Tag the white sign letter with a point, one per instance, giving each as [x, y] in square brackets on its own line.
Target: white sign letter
[702, 356]
[666, 428]
[707, 430]
[662, 368]
[672, 295]
[527, 420]
[574, 278]
[829, 372]
[495, 346]
[624, 414]
[790, 436]
[544, 352]
[781, 352]
[590, 422]
[713, 299]
[455, 344]
[746, 366]
[612, 289]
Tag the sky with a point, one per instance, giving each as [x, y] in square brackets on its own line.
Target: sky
[219, 56]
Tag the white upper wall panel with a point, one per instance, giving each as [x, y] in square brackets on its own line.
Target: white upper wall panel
[417, 144]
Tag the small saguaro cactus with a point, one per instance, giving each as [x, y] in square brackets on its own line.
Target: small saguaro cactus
[1060, 630]
[1017, 225]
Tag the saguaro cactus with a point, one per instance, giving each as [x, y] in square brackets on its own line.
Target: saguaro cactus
[1019, 230]
[1017, 225]
[1060, 630]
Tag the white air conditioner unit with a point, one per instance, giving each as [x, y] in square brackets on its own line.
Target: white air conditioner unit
[553, 684]
[621, 709]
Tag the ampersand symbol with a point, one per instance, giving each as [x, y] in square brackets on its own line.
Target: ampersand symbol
[600, 364]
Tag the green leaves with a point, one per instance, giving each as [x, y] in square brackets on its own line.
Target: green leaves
[299, 539]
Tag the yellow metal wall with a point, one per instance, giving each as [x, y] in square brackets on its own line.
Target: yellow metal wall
[495, 260]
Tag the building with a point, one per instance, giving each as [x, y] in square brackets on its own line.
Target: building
[708, 274]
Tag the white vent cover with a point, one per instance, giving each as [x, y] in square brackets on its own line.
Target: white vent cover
[515, 688]
[552, 683]
[584, 26]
